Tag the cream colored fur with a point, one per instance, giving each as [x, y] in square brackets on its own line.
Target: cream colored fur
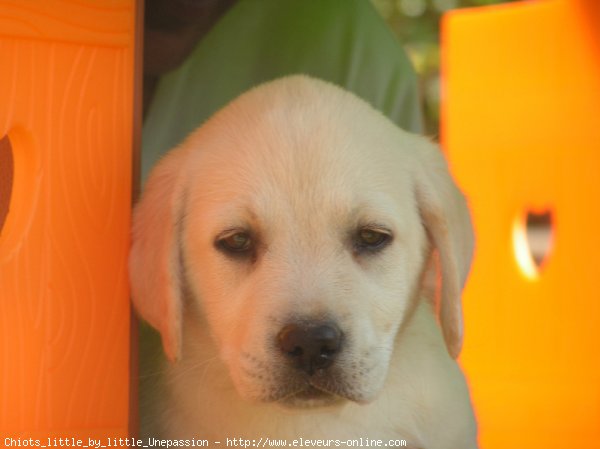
[303, 166]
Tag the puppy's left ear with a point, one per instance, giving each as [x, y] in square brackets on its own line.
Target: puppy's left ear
[154, 259]
[446, 218]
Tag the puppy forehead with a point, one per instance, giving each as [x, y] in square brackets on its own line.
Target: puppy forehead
[301, 214]
[317, 212]
[303, 145]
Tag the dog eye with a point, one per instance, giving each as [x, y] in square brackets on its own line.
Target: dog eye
[369, 239]
[238, 242]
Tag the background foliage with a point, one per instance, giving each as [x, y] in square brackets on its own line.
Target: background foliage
[417, 25]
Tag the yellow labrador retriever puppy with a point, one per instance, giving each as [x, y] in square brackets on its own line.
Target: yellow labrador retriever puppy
[285, 253]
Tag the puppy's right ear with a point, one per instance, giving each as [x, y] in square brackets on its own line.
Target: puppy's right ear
[446, 218]
[154, 263]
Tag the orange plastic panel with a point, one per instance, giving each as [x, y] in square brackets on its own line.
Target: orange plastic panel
[521, 126]
[66, 105]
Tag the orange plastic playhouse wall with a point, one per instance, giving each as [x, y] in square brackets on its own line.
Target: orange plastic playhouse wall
[521, 125]
[66, 104]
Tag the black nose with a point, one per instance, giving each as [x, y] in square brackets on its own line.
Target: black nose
[310, 346]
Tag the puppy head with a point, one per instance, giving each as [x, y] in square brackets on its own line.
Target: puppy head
[297, 221]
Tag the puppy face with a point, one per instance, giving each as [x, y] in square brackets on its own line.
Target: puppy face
[295, 225]
[309, 230]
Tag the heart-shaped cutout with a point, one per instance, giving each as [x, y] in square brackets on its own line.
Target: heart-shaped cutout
[533, 238]
[539, 236]
[6, 178]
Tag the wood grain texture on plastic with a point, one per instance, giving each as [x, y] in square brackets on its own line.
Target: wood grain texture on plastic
[66, 106]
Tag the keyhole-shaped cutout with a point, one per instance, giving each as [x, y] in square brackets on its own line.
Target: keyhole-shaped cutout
[6, 178]
[532, 240]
